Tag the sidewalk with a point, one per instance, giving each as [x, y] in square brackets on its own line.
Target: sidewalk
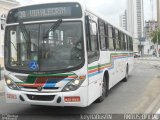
[155, 61]
[149, 58]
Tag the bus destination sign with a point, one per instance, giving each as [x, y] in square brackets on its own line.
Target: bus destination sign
[45, 12]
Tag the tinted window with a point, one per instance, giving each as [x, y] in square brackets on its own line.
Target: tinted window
[102, 35]
[93, 36]
[127, 40]
[111, 47]
[48, 49]
[117, 39]
[92, 39]
[123, 42]
[120, 37]
[130, 44]
[107, 35]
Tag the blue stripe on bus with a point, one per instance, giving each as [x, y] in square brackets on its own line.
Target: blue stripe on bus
[93, 74]
[51, 85]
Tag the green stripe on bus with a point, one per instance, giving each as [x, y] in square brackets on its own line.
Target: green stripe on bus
[47, 75]
[32, 77]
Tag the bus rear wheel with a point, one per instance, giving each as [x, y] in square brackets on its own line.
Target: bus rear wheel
[104, 91]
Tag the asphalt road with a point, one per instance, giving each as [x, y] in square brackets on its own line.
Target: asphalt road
[138, 95]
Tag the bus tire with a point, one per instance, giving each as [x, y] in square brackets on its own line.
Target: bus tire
[125, 79]
[104, 91]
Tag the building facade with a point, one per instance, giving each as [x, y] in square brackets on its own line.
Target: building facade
[150, 26]
[149, 46]
[123, 20]
[5, 5]
[135, 22]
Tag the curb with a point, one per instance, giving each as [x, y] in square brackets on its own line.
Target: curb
[149, 58]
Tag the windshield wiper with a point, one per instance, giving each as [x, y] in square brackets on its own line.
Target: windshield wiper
[53, 27]
[26, 36]
[24, 31]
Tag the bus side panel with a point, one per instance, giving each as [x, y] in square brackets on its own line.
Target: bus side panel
[130, 62]
[120, 63]
[106, 65]
[94, 87]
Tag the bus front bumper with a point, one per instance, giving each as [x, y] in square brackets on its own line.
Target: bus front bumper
[76, 98]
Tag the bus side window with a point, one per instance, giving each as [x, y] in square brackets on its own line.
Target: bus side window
[110, 38]
[124, 42]
[92, 40]
[120, 40]
[117, 39]
[127, 39]
[114, 37]
[93, 36]
[130, 44]
[107, 35]
[102, 36]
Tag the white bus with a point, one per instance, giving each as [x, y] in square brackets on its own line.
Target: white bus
[61, 54]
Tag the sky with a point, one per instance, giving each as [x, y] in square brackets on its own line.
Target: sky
[109, 8]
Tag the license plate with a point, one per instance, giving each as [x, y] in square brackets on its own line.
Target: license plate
[72, 99]
[11, 96]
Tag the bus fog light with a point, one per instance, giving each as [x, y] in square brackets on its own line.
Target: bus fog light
[74, 84]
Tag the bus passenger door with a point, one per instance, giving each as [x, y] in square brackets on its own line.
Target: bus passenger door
[94, 88]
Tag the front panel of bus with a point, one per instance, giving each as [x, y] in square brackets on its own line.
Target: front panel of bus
[45, 59]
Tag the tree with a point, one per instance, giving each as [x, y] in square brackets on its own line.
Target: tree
[154, 35]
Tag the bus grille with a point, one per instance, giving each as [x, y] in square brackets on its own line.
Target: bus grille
[41, 97]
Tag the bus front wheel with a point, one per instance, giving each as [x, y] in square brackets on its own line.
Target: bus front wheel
[104, 91]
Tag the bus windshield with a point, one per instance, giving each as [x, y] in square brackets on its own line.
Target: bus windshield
[44, 46]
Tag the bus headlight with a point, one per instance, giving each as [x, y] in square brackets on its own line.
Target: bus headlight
[74, 84]
[11, 84]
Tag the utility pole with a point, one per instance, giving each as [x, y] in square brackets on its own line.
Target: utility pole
[157, 43]
[158, 20]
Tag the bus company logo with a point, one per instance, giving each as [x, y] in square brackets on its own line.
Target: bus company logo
[39, 88]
